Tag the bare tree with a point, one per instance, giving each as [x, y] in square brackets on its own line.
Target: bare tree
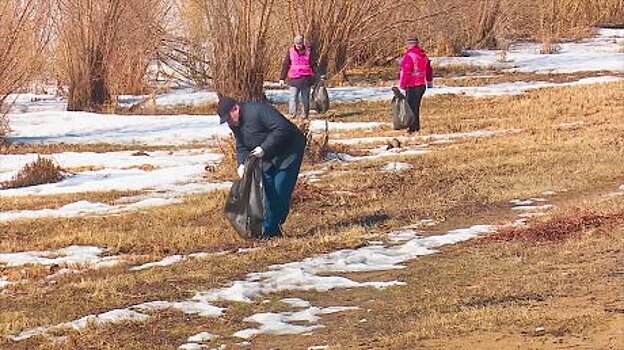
[105, 47]
[236, 34]
[23, 28]
[338, 28]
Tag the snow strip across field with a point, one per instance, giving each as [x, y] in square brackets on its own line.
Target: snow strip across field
[311, 274]
[65, 256]
[601, 53]
[433, 138]
[82, 127]
[358, 93]
[174, 175]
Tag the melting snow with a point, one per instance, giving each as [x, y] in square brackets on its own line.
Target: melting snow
[294, 276]
[71, 255]
[396, 166]
[278, 323]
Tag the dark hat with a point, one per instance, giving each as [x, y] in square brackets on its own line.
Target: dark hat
[224, 107]
[411, 39]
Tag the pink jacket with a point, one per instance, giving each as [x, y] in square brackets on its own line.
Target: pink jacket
[415, 68]
[299, 64]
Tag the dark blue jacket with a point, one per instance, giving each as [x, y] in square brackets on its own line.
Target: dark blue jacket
[262, 125]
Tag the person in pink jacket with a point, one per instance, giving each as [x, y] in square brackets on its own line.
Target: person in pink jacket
[301, 68]
[415, 77]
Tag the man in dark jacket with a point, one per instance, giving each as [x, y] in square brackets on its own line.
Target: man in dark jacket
[261, 131]
[302, 71]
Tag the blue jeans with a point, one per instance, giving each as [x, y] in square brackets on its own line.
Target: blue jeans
[293, 103]
[278, 188]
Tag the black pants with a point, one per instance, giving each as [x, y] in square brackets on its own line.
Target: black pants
[414, 97]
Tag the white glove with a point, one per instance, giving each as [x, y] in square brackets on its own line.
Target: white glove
[281, 83]
[257, 152]
[240, 170]
[429, 84]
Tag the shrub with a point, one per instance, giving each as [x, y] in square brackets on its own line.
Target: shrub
[41, 171]
[226, 169]
[4, 125]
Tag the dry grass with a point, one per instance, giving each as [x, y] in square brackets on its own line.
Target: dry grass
[56, 201]
[519, 77]
[94, 147]
[227, 167]
[41, 171]
[549, 48]
[495, 286]
[556, 229]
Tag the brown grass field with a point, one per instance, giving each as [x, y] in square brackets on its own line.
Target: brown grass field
[557, 283]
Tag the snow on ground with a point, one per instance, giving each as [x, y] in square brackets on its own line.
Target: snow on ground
[4, 283]
[529, 208]
[396, 167]
[434, 138]
[174, 175]
[71, 255]
[176, 259]
[378, 153]
[84, 208]
[601, 53]
[109, 317]
[82, 127]
[356, 93]
[10, 164]
[305, 275]
[279, 323]
[112, 179]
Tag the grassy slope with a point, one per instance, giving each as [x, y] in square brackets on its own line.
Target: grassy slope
[464, 183]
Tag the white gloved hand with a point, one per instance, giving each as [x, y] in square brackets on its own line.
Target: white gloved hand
[429, 84]
[240, 170]
[281, 83]
[257, 152]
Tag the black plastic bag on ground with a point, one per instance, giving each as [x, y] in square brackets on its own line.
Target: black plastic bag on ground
[402, 114]
[320, 97]
[244, 207]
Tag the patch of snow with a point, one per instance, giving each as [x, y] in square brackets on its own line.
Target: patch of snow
[601, 53]
[296, 302]
[192, 346]
[167, 261]
[191, 307]
[70, 255]
[379, 153]
[430, 137]
[175, 259]
[293, 276]
[301, 275]
[82, 127]
[396, 167]
[202, 337]
[278, 323]
[84, 208]
[533, 207]
[109, 317]
[570, 125]
[402, 235]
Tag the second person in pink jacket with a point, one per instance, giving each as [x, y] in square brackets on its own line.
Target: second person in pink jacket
[415, 77]
[301, 68]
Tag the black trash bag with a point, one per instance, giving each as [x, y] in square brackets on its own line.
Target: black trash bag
[402, 114]
[244, 207]
[320, 97]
